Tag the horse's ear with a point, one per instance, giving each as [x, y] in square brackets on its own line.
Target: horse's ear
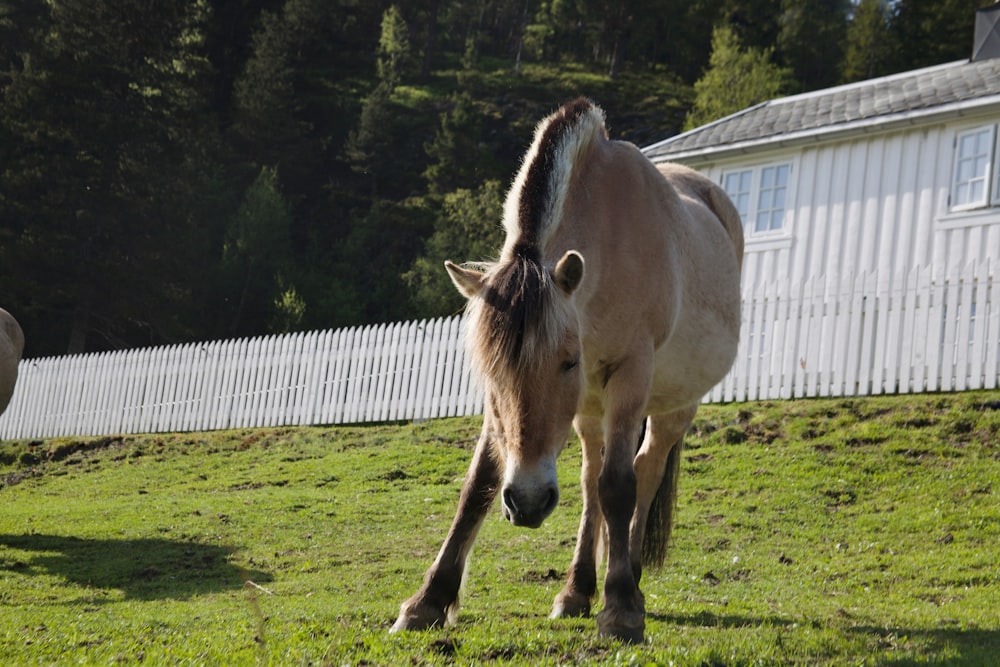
[569, 271]
[468, 281]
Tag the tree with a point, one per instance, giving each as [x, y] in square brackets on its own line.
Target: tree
[383, 239]
[468, 230]
[264, 93]
[105, 127]
[256, 255]
[458, 154]
[736, 78]
[868, 48]
[755, 22]
[811, 40]
[927, 32]
[368, 143]
[271, 90]
[393, 48]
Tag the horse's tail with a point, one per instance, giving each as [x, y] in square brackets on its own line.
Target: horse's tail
[660, 519]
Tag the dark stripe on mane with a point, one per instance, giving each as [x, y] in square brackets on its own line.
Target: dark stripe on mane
[516, 300]
[535, 190]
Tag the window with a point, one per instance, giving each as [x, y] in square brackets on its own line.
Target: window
[970, 186]
[760, 195]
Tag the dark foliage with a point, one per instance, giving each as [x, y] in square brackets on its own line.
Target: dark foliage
[190, 170]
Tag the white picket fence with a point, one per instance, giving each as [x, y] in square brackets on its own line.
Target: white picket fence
[870, 335]
[401, 371]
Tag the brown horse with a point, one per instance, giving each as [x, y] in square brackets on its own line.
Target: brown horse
[616, 296]
[11, 348]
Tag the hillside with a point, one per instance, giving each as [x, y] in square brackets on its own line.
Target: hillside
[204, 170]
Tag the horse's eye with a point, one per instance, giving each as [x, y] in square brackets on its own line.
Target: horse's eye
[569, 365]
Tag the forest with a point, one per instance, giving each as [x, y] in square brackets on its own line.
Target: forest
[180, 170]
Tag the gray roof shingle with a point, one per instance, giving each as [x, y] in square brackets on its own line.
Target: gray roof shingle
[868, 103]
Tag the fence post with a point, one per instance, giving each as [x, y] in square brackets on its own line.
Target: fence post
[992, 327]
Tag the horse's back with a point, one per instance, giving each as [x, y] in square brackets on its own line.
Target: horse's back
[699, 187]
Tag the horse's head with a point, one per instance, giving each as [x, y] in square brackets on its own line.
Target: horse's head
[524, 339]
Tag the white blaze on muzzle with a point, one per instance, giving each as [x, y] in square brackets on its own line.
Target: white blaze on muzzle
[529, 494]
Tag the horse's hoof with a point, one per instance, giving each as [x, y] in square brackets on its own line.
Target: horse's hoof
[569, 605]
[416, 616]
[626, 626]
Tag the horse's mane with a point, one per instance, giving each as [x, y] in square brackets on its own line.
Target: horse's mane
[516, 320]
[535, 200]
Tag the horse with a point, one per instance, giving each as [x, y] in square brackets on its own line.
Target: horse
[616, 297]
[11, 349]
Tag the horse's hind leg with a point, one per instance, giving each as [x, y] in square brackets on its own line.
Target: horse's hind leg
[581, 582]
[655, 468]
[437, 599]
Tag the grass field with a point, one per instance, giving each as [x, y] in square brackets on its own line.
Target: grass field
[826, 532]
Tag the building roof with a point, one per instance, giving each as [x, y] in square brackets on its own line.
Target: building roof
[833, 112]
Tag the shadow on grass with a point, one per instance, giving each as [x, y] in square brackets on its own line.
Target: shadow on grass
[944, 647]
[144, 569]
[708, 620]
[957, 647]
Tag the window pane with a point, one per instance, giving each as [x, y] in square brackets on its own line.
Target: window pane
[767, 178]
[967, 144]
[779, 199]
[962, 193]
[764, 199]
[965, 171]
[782, 171]
[737, 186]
[983, 143]
[981, 164]
[776, 217]
[762, 222]
[976, 191]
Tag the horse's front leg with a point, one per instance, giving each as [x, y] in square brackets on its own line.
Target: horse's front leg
[624, 612]
[437, 600]
[581, 582]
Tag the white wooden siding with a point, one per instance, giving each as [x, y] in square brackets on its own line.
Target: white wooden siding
[871, 333]
[875, 203]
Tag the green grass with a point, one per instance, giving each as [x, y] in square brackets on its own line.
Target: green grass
[827, 532]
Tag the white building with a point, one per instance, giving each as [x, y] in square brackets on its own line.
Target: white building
[885, 174]
[855, 199]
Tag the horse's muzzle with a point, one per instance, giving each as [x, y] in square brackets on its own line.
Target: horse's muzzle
[529, 508]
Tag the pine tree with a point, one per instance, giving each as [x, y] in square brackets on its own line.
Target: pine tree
[457, 152]
[469, 229]
[736, 78]
[931, 33]
[868, 48]
[256, 254]
[393, 48]
[368, 143]
[811, 40]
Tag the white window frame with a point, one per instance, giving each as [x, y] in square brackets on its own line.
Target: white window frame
[752, 209]
[989, 196]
